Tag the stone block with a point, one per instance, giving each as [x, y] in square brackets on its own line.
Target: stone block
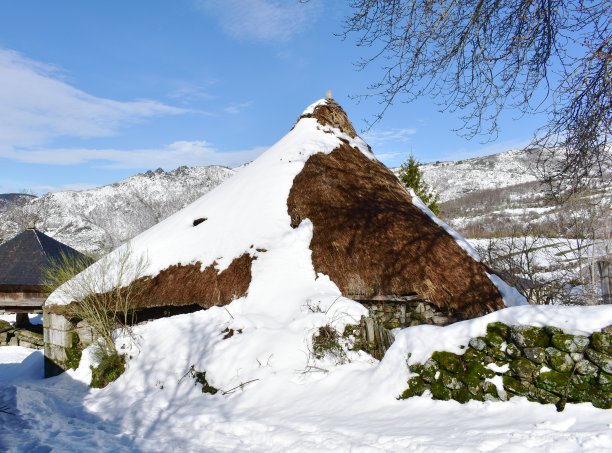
[440, 320]
[55, 353]
[603, 361]
[529, 336]
[602, 342]
[587, 368]
[57, 322]
[559, 361]
[570, 343]
[59, 338]
[536, 355]
[85, 333]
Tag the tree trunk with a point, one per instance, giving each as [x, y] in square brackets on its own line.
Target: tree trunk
[605, 276]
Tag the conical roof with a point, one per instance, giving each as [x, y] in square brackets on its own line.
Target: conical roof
[24, 258]
[316, 205]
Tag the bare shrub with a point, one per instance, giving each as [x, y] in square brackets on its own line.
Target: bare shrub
[103, 295]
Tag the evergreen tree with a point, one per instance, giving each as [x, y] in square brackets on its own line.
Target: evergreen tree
[411, 177]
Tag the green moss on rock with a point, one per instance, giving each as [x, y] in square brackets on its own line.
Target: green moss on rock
[543, 396]
[570, 343]
[604, 378]
[500, 329]
[524, 369]
[602, 342]
[462, 395]
[586, 367]
[473, 355]
[552, 330]
[5, 326]
[536, 355]
[559, 361]
[439, 392]
[416, 387]
[513, 352]
[555, 382]
[416, 368]
[448, 361]
[430, 369]
[475, 374]
[603, 361]
[515, 386]
[494, 340]
[602, 397]
[529, 337]
[450, 381]
[73, 354]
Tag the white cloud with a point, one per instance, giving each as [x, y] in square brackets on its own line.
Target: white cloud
[178, 153]
[384, 136]
[263, 20]
[36, 105]
[234, 109]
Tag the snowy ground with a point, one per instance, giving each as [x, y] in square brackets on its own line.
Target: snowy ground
[350, 407]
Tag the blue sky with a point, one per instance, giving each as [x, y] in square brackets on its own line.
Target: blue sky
[94, 91]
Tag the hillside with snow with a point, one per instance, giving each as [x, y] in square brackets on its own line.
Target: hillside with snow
[454, 179]
[98, 220]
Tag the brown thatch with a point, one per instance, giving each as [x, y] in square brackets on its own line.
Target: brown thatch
[331, 114]
[187, 286]
[372, 240]
[180, 285]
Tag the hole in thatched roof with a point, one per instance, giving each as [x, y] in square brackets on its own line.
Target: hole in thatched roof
[196, 222]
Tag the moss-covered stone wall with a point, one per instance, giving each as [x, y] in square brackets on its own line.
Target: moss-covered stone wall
[543, 364]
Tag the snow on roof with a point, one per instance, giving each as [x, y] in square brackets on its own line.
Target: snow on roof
[245, 213]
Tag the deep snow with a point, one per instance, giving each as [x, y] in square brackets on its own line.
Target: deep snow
[350, 407]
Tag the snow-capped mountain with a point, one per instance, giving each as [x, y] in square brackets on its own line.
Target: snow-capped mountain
[454, 179]
[8, 200]
[98, 220]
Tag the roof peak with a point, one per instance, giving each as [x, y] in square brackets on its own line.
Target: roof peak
[329, 113]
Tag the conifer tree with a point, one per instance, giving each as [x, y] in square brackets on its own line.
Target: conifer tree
[411, 177]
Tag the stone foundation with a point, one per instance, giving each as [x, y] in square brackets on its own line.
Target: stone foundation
[394, 314]
[373, 334]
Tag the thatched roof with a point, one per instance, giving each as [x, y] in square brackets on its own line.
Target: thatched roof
[24, 258]
[371, 239]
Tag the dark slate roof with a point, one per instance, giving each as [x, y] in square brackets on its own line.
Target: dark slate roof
[24, 258]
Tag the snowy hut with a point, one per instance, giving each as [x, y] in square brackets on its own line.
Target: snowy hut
[316, 213]
[23, 261]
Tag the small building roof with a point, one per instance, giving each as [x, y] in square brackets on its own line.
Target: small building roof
[24, 258]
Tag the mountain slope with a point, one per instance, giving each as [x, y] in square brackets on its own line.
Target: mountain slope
[100, 219]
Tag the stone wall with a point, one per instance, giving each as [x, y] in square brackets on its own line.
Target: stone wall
[64, 341]
[373, 333]
[392, 314]
[12, 336]
[544, 365]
